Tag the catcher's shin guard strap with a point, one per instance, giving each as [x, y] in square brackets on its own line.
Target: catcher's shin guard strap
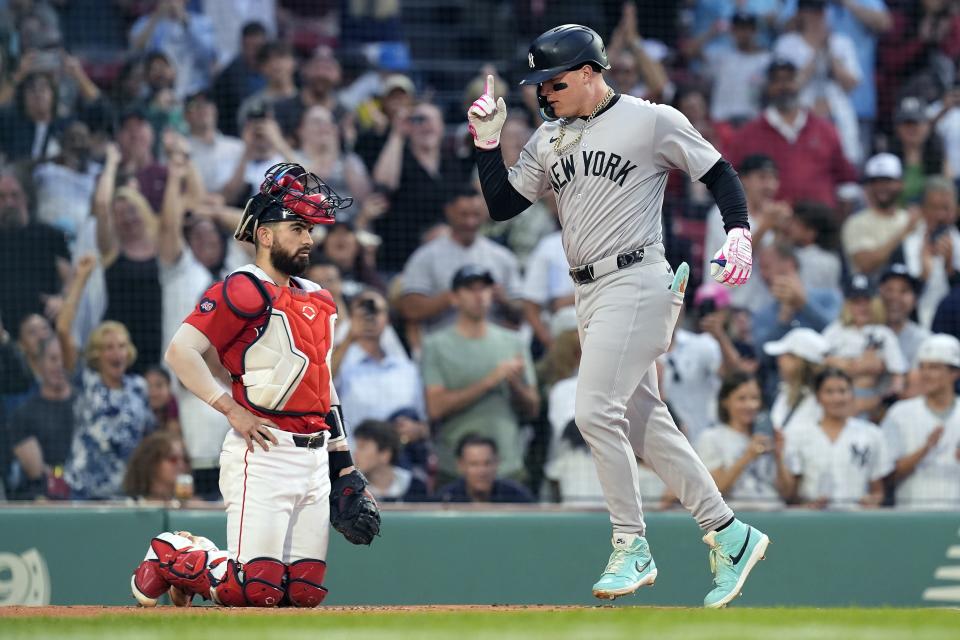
[335, 422]
[305, 582]
[226, 587]
[263, 582]
[339, 460]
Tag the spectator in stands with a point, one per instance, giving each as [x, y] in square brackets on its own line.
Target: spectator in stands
[768, 218]
[320, 78]
[356, 261]
[154, 467]
[415, 172]
[241, 78]
[263, 147]
[478, 464]
[794, 304]
[636, 65]
[34, 330]
[376, 447]
[41, 427]
[741, 459]
[920, 152]
[873, 235]
[30, 127]
[214, 154]
[808, 229]
[800, 354]
[547, 287]
[932, 251]
[162, 105]
[162, 402]
[113, 413]
[478, 376]
[277, 65]
[898, 292]
[738, 73]
[187, 38]
[321, 151]
[946, 122]
[428, 273]
[374, 377]
[416, 450]
[35, 258]
[947, 319]
[839, 461]
[829, 71]
[64, 185]
[127, 241]
[375, 116]
[865, 349]
[521, 233]
[796, 138]
[923, 433]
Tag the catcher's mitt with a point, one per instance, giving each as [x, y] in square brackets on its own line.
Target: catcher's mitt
[353, 512]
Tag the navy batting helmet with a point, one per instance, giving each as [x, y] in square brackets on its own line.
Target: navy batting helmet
[563, 48]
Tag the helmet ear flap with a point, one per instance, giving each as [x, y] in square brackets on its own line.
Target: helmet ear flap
[546, 111]
[247, 226]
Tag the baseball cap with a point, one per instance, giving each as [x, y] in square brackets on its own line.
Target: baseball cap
[780, 64]
[940, 348]
[816, 5]
[715, 291]
[131, 113]
[398, 81]
[756, 162]
[565, 319]
[743, 18]
[911, 109]
[899, 270]
[470, 273]
[801, 342]
[858, 286]
[883, 166]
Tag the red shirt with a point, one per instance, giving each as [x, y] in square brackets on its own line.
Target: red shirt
[231, 333]
[810, 169]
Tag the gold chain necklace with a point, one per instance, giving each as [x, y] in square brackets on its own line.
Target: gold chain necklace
[557, 149]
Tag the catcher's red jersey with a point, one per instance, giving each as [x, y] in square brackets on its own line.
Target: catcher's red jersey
[274, 342]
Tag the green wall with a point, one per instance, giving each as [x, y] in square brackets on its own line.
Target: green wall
[816, 559]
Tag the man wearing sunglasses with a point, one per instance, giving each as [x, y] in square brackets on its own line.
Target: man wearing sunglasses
[606, 158]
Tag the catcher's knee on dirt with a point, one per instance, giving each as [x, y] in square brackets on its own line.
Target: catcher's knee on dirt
[260, 586]
[305, 582]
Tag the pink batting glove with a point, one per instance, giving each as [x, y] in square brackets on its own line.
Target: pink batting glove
[486, 117]
[733, 263]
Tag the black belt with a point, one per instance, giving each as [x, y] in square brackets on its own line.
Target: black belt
[312, 440]
[588, 273]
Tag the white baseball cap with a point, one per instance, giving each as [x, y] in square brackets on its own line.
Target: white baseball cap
[801, 342]
[883, 165]
[941, 348]
[565, 319]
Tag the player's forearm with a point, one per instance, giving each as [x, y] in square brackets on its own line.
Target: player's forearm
[503, 201]
[185, 358]
[906, 465]
[726, 477]
[443, 402]
[877, 20]
[727, 191]
[526, 399]
[170, 242]
[418, 307]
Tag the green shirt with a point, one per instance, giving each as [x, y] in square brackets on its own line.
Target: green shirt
[454, 362]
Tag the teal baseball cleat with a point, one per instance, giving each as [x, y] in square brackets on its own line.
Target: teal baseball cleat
[629, 568]
[733, 552]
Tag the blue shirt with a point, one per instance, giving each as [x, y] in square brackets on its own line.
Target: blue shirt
[707, 12]
[503, 491]
[823, 307]
[841, 20]
[371, 389]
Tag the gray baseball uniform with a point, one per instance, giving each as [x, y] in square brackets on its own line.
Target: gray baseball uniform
[610, 192]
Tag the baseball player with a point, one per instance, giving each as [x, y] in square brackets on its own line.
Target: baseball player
[606, 157]
[273, 331]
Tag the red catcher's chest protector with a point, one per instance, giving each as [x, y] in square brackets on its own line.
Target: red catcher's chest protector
[285, 368]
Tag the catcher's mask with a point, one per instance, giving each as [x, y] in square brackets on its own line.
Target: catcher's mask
[289, 192]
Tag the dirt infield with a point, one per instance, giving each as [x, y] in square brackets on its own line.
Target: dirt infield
[86, 611]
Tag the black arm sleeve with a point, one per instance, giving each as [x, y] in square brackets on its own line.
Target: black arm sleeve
[724, 185]
[503, 201]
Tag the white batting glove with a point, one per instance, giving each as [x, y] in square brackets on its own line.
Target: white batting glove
[732, 264]
[486, 118]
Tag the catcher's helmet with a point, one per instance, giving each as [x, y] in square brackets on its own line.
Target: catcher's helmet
[289, 192]
[563, 48]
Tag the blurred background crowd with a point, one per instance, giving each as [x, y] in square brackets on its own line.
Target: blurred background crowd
[133, 131]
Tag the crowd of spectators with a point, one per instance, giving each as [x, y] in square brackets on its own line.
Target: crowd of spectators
[132, 132]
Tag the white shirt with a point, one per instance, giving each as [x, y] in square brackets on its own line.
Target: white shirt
[850, 342]
[937, 285]
[691, 379]
[64, 196]
[819, 268]
[935, 482]
[216, 162]
[753, 294]
[807, 410]
[720, 447]
[548, 273]
[949, 129]
[738, 80]
[840, 471]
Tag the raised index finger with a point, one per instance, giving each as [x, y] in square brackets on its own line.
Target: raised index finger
[488, 87]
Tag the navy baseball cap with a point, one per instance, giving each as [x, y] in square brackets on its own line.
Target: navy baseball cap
[756, 162]
[470, 273]
[743, 18]
[858, 286]
[899, 270]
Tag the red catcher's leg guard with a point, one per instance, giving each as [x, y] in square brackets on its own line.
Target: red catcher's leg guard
[149, 583]
[188, 572]
[228, 589]
[263, 582]
[305, 582]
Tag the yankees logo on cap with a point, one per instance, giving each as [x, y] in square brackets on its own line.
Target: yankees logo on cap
[530, 59]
